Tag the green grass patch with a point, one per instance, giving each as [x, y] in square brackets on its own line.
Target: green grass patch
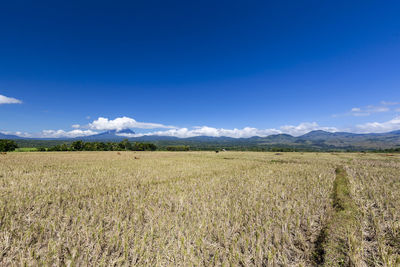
[26, 149]
[341, 191]
[343, 235]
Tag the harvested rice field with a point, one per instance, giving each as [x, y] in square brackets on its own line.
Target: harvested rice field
[199, 209]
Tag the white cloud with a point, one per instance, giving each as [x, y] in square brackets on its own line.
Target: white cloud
[379, 127]
[102, 124]
[360, 114]
[305, 127]
[123, 123]
[383, 106]
[388, 103]
[18, 133]
[237, 133]
[368, 110]
[210, 131]
[9, 100]
[246, 132]
[379, 109]
[52, 133]
[62, 133]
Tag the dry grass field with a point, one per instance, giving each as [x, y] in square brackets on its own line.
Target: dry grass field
[199, 209]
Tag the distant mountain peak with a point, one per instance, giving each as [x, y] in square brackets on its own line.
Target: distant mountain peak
[9, 136]
[125, 131]
[317, 132]
[128, 131]
[108, 135]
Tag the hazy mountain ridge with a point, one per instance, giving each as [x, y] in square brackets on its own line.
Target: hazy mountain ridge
[9, 136]
[315, 139]
[111, 135]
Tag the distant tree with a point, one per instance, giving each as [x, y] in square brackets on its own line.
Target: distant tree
[89, 146]
[138, 146]
[177, 148]
[152, 147]
[77, 145]
[111, 146]
[55, 148]
[64, 147]
[125, 145]
[101, 146]
[7, 145]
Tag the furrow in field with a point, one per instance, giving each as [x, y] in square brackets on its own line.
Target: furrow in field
[339, 241]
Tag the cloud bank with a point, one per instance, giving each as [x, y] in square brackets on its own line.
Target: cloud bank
[18, 133]
[123, 123]
[380, 127]
[368, 110]
[9, 100]
[383, 106]
[62, 133]
[52, 134]
[306, 127]
[209, 131]
[246, 132]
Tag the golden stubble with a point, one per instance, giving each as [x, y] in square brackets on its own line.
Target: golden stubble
[173, 208]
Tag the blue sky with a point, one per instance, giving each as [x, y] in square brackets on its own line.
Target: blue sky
[189, 68]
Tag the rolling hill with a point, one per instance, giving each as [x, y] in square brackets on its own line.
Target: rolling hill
[9, 136]
[315, 140]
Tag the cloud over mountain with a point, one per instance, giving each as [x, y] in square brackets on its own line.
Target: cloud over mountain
[62, 133]
[245, 132]
[305, 127]
[123, 123]
[380, 127]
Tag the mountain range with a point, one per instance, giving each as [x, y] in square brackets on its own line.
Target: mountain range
[313, 140]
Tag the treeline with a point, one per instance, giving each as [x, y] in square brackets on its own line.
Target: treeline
[102, 146]
[389, 150]
[173, 145]
[177, 148]
[7, 145]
